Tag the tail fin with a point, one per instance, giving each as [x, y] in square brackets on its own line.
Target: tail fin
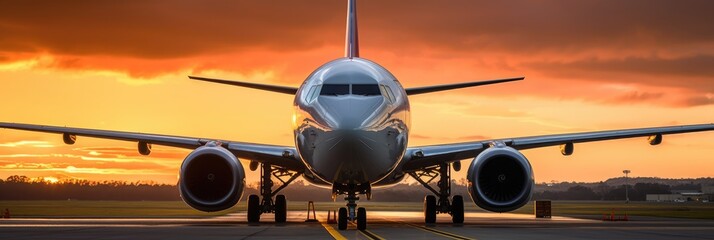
[352, 39]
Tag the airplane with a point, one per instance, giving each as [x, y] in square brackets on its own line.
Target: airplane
[351, 129]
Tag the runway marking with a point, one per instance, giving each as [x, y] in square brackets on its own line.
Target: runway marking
[335, 234]
[442, 233]
[434, 231]
[368, 233]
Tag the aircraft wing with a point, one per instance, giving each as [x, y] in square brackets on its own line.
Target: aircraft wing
[437, 88]
[265, 87]
[277, 155]
[419, 157]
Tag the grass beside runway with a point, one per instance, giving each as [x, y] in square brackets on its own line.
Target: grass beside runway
[180, 209]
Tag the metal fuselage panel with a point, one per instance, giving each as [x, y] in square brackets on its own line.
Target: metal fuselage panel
[351, 138]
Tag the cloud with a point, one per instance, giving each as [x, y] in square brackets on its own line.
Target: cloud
[653, 43]
[698, 100]
[655, 71]
[156, 30]
[40, 144]
[635, 97]
[461, 138]
[526, 27]
[122, 152]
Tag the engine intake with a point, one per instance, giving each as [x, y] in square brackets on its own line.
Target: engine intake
[500, 179]
[211, 179]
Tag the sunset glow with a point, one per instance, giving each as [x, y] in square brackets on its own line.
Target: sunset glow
[589, 65]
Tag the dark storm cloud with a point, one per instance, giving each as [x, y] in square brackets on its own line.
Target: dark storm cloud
[163, 29]
[158, 29]
[546, 25]
[696, 72]
[78, 33]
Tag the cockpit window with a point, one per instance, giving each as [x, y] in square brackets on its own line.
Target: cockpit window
[366, 89]
[312, 94]
[335, 89]
[387, 92]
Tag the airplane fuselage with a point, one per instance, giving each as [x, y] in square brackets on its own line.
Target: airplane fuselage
[351, 123]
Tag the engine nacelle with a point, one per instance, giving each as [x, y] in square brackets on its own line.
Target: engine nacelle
[500, 179]
[211, 179]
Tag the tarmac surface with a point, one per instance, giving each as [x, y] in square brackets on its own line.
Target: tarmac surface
[381, 225]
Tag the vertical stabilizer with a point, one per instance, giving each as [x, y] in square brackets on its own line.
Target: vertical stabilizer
[352, 40]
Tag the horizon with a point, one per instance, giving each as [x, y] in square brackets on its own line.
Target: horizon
[303, 183]
[587, 68]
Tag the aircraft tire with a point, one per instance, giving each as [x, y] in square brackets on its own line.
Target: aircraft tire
[457, 209]
[361, 218]
[281, 209]
[253, 209]
[429, 209]
[342, 218]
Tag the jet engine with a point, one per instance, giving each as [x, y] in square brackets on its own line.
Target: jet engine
[211, 179]
[500, 179]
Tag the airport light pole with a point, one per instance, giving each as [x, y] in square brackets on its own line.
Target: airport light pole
[627, 197]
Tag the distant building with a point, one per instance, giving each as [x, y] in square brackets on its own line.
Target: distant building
[685, 191]
[709, 189]
[680, 197]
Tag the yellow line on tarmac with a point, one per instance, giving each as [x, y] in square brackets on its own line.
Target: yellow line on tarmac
[439, 232]
[335, 234]
[368, 234]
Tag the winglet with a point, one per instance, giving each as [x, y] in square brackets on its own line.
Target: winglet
[352, 40]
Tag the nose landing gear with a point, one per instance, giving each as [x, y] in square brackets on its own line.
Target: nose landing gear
[432, 206]
[352, 213]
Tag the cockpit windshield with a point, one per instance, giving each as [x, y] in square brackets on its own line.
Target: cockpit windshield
[354, 89]
[366, 89]
[335, 89]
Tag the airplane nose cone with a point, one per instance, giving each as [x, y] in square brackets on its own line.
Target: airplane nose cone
[358, 160]
[353, 143]
[350, 113]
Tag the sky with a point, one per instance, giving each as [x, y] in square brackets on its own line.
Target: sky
[589, 65]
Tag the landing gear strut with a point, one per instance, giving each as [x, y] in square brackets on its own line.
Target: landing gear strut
[351, 212]
[256, 207]
[432, 205]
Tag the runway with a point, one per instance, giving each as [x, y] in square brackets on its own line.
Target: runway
[382, 225]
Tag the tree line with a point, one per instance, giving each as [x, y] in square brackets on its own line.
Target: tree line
[638, 192]
[23, 188]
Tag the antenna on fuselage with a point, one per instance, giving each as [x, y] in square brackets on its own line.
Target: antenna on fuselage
[352, 40]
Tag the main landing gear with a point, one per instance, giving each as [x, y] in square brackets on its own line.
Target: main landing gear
[279, 206]
[432, 205]
[351, 213]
